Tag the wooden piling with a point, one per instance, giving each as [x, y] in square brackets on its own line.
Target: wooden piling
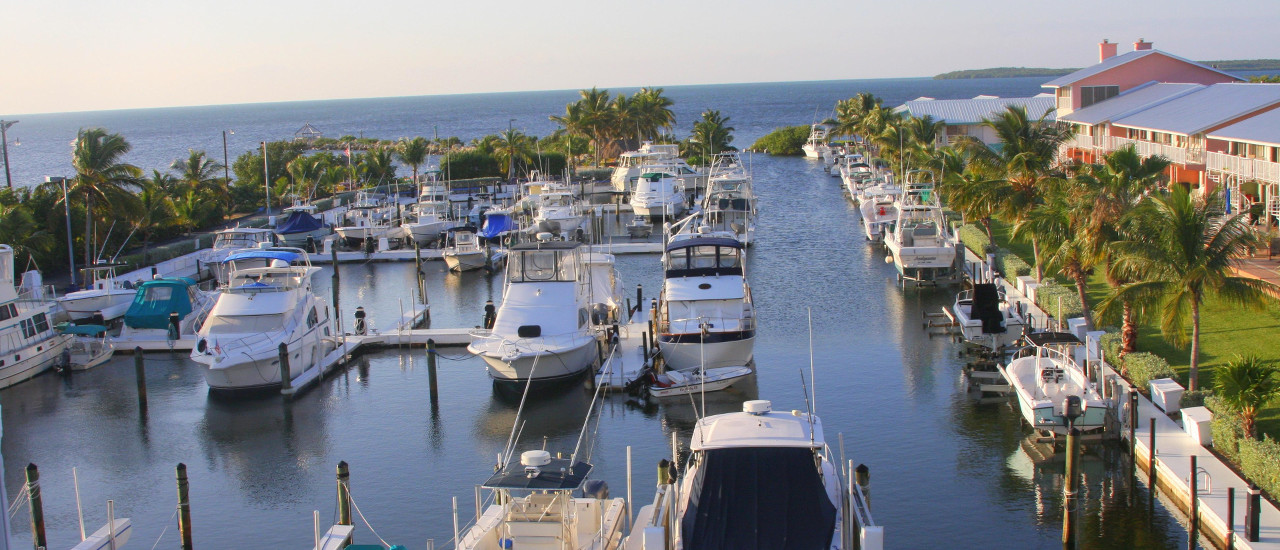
[184, 507]
[1070, 488]
[431, 369]
[140, 374]
[37, 508]
[1231, 518]
[344, 494]
[1193, 517]
[1252, 513]
[286, 380]
[1151, 467]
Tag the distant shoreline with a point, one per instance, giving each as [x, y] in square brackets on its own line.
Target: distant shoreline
[1014, 72]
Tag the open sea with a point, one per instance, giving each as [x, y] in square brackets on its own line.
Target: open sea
[948, 469]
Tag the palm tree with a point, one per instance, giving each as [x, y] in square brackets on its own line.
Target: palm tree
[712, 134]
[198, 171]
[188, 209]
[377, 165]
[155, 209]
[1060, 223]
[1180, 254]
[593, 115]
[414, 153]
[510, 146]
[102, 178]
[1246, 385]
[304, 171]
[850, 112]
[18, 225]
[653, 112]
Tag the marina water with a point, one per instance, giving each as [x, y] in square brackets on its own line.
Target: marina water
[947, 468]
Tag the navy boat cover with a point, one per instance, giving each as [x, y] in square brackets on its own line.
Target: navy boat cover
[299, 222]
[495, 224]
[156, 299]
[759, 498]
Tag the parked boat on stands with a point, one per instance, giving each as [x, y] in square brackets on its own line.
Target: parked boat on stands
[705, 313]
[303, 226]
[1051, 385]
[104, 294]
[230, 241]
[658, 194]
[879, 210]
[553, 308]
[817, 142]
[165, 315]
[259, 309]
[757, 479]
[464, 252]
[919, 242]
[986, 318]
[28, 342]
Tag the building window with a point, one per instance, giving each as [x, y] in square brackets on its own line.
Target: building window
[1094, 94]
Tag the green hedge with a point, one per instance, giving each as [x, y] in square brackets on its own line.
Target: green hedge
[786, 141]
[1257, 459]
[1144, 367]
[1011, 266]
[1195, 398]
[974, 238]
[1047, 295]
[1111, 343]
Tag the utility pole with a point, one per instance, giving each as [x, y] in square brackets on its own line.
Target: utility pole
[266, 177]
[226, 171]
[4, 139]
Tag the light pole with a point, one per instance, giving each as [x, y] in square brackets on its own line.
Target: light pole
[226, 171]
[266, 177]
[66, 204]
[511, 150]
[4, 139]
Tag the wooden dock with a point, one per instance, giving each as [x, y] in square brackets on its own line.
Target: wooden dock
[627, 361]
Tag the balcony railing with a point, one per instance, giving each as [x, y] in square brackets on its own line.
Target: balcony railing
[1106, 144]
[1244, 168]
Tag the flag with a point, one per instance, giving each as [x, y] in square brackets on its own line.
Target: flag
[348, 151]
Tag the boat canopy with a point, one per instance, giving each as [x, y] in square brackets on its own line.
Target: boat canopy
[81, 330]
[986, 307]
[299, 222]
[758, 497]
[461, 229]
[1050, 338]
[554, 261]
[496, 223]
[286, 256]
[156, 299]
[556, 475]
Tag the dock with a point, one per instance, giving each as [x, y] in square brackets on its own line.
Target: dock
[628, 361]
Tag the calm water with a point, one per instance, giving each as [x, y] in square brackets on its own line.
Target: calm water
[947, 469]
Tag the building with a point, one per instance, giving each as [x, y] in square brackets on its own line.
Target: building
[964, 117]
[1247, 162]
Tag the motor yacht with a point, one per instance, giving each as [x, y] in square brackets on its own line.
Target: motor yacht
[730, 202]
[658, 194]
[705, 315]
[1045, 375]
[302, 226]
[555, 209]
[817, 142]
[879, 209]
[230, 241]
[29, 343]
[430, 216]
[259, 309]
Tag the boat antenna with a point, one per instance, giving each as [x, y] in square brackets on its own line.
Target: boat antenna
[808, 405]
[511, 440]
[814, 403]
[123, 244]
[106, 239]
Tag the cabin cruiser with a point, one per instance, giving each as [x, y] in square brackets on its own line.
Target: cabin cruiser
[919, 241]
[302, 226]
[658, 194]
[104, 293]
[546, 329]
[816, 145]
[1045, 375]
[730, 202]
[463, 251]
[705, 315]
[986, 318]
[165, 314]
[632, 164]
[259, 309]
[555, 209]
[429, 217]
[758, 479]
[235, 239]
[369, 218]
[29, 344]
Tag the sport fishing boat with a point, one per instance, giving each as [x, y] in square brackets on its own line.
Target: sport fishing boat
[429, 217]
[658, 194]
[302, 226]
[259, 309]
[369, 217]
[651, 157]
[986, 318]
[919, 243]
[758, 479]
[1045, 376]
[29, 343]
[165, 314]
[555, 209]
[730, 202]
[705, 315]
[878, 210]
[232, 240]
[817, 142]
[104, 293]
[546, 327]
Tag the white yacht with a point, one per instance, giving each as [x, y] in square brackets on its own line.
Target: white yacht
[545, 329]
[103, 293]
[658, 194]
[230, 241]
[165, 314]
[555, 209]
[463, 251]
[919, 241]
[879, 209]
[259, 309]
[632, 164]
[429, 217]
[29, 344]
[1046, 376]
[705, 315]
[730, 202]
[817, 142]
[986, 318]
[758, 479]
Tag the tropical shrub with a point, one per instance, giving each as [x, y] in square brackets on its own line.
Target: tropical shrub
[1259, 459]
[1195, 398]
[1011, 266]
[974, 238]
[1047, 298]
[1226, 429]
[1144, 367]
[1112, 343]
[472, 164]
[787, 141]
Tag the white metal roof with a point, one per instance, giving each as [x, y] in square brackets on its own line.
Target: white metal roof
[1116, 61]
[724, 287]
[773, 429]
[1262, 129]
[973, 111]
[1130, 102]
[1203, 109]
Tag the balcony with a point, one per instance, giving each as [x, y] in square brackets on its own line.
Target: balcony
[1244, 168]
[1107, 144]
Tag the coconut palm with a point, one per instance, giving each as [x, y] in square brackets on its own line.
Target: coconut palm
[653, 112]
[102, 178]
[198, 171]
[1181, 253]
[1246, 385]
[850, 112]
[189, 209]
[155, 209]
[1060, 223]
[18, 224]
[511, 146]
[414, 153]
[712, 134]
[377, 165]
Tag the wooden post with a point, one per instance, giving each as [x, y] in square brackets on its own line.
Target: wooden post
[337, 310]
[37, 508]
[184, 507]
[344, 494]
[1069, 490]
[1231, 518]
[1133, 445]
[1193, 532]
[140, 374]
[286, 378]
[1151, 467]
[431, 369]
[1252, 513]
[863, 475]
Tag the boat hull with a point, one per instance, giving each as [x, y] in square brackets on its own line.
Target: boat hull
[112, 304]
[685, 351]
[467, 261]
[424, 233]
[551, 366]
[717, 379]
[300, 239]
[259, 369]
[36, 358]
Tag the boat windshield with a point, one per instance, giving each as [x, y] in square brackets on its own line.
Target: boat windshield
[540, 266]
[704, 260]
[239, 240]
[244, 324]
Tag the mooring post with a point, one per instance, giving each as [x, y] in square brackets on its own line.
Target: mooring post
[1151, 470]
[1194, 506]
[286, 380]
[184, 507]
[37, 508]
[862, 475]
[639, 297]
[140, 374]
[1231, 518]
[344, 494]
[1252, 513]
[1133, 441]
[431, 369]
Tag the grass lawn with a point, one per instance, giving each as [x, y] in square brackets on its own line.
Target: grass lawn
[1226, 330]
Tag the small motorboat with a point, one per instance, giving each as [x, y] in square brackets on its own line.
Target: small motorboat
[687, 381]
[639, 229]
[1046, 375]
[104, 293]
[986, 318]
[89, 347]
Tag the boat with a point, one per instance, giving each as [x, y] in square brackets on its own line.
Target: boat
[1045, 375]
[103, 294]
[369, 218]
[89, 346]
[545, 329]
[696, 380]
[658, 194]
[429, 217]
[29, 343]
[259, 309]
[730, 202]
[555, 209]
[302, 227]
[165, 315]
[111, 536]
[758, 479]
[232, 240]
[705, 315]
[919, 242]
[631, 164]
[463, 251]
[879, 209]
[817, 142]
[986, 318]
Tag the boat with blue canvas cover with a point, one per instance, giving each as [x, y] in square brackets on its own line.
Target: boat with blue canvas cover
[165, 315]
[300, 227]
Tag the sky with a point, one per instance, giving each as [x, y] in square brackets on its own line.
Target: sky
[78, 55]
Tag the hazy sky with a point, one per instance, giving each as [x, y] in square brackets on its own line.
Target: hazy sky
[94, 54]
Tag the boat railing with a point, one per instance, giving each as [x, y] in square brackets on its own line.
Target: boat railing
[746, 322]
[255, 340]
[44, 293]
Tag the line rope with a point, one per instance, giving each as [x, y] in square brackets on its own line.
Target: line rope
[24, 494]
[166, 528]
[361, 514]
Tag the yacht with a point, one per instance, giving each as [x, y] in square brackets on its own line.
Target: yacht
[705, 315]
[632, 164]
[758, 479]
[658, 194]
[555, 209]
[429, 217]
[230, 241]
[919, 242]
[29, 343]
[817, 142]
[1046, 375]
[104, 293]
[302, 226]
[165, 314]
[463, 251]
[546, 327]
[986, 318]
[730, 202]
[369, 218]
[259, 309]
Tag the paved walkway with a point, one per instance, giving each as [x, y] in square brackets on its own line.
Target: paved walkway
[1267, 269]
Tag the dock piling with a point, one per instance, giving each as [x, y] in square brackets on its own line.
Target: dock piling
[431, 369]
[286, 381]
[1151, 468]
[1193, 531]
[184, 507]
[1231, 518]
[1070, 488]
[140, 374]
[1252, 513]
[37, 508]
[344, 493]
[862, 474]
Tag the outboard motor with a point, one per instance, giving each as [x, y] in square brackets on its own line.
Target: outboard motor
[361, 327]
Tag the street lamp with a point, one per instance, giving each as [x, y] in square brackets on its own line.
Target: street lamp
[66, 204]
[226, 173]
[4, 139]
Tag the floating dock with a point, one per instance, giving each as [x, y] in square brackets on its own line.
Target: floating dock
[628, 361]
